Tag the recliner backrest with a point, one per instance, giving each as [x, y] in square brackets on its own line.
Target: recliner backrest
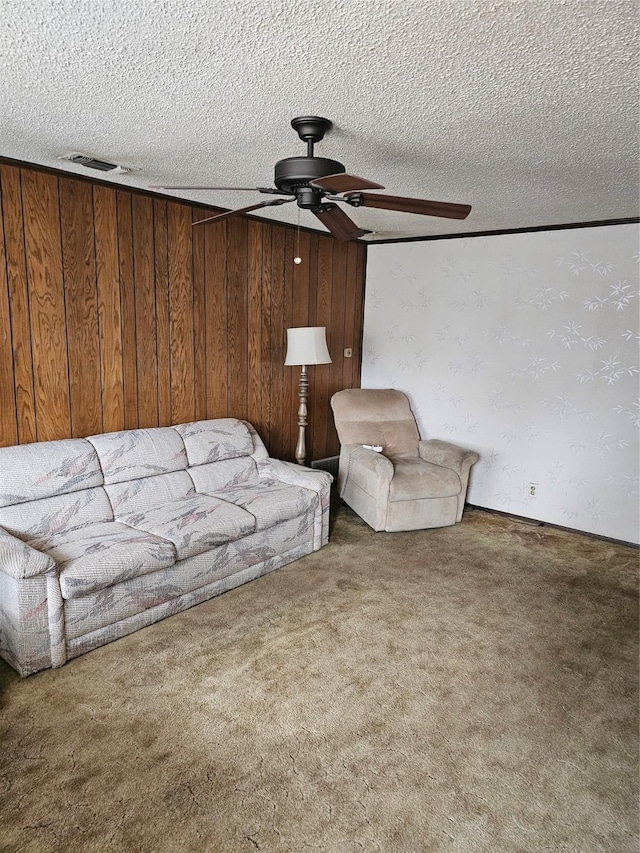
[376, 416]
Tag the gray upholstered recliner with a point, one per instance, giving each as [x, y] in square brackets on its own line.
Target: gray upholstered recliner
[411, 484]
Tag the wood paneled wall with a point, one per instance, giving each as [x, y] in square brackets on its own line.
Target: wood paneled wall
[115, 313]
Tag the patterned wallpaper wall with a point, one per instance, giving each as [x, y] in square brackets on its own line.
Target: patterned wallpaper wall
[523, 347]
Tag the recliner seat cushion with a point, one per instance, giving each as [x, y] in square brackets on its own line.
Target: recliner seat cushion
[100, 555]
[414, 479]
[194, 523]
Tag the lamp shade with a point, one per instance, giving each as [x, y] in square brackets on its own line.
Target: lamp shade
[307, 345]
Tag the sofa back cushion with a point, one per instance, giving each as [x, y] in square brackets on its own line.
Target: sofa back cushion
[30, 472]
[147, 492]
[135, 453]
[57, 514]
[52, 487]
[216, 476]
[215, 440]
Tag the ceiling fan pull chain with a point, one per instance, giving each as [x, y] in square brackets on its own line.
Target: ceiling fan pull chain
[298, 259]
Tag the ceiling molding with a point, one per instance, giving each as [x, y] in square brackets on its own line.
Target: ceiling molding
[599, 223]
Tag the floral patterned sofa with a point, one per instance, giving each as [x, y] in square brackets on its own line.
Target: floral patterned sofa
[104, 535]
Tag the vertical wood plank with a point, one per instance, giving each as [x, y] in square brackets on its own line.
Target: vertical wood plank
[278, 345]
[266, 366]
[290, 396]
[161, 268]
[358, 317]
[109, 320]
[128, 308]
[215, 254]
[199, 316]
[47, 310]
[302, 283]
[350, 324]
[181, 313]
[16, 271]
[254, 326]
[145, 305]
[335, 338]
[8, 408]
[301, 288]
[81, 304]
[321, 371]
[237, 317]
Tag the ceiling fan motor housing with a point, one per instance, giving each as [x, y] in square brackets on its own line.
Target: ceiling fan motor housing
[294, 173]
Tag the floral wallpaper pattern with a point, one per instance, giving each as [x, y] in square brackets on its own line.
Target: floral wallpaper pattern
[523, 347]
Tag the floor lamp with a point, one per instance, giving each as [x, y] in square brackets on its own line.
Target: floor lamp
[305, 345]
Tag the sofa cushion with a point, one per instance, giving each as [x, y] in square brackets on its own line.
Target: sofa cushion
[270, 502]
[414, 479]
[138, 495]
[100, 555]
[57, 514]
[194, 523]
[29, 472]
[207, 571]
[136, 453]
[210, 441]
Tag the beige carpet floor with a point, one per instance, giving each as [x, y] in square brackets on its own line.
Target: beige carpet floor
[473, 688]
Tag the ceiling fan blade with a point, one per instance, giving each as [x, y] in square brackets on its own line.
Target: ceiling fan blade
[342, 183]
[336, 220]
[445, 209]
[242, 210]
[228, 189]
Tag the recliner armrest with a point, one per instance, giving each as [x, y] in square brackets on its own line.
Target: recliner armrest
[19, 560]
[447, 455]
[375, 462]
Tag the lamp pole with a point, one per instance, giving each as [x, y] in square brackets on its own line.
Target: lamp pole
[303, 393]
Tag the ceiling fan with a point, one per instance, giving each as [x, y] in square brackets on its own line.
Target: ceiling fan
[317, 183]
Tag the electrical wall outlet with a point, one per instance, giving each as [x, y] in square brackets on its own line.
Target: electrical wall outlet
[532, 490]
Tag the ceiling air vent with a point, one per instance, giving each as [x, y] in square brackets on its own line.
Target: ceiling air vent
[93, 163]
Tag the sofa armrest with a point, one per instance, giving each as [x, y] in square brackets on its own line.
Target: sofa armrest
[305, 478]
[295, 475]
[19, 560]
[447, 455]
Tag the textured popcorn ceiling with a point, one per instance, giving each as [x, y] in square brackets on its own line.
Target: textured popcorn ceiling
[526, 109]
